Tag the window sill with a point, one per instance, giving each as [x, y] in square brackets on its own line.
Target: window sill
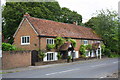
[26, 44]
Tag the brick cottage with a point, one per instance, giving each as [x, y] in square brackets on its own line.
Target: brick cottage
[34, 33]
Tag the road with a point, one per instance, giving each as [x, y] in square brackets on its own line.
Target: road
[86, 69]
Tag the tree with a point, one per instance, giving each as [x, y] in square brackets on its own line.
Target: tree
[13, 13]
[106, 25]
[69, 16]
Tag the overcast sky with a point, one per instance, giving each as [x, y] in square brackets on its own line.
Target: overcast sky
[87, 7]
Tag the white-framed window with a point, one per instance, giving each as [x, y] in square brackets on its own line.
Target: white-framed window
[25, 40]
[50, 41]
[85, 42]
[50, 56]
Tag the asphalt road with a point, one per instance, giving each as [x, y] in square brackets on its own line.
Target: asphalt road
[87, 69]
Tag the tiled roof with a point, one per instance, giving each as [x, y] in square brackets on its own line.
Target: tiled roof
[52, 28]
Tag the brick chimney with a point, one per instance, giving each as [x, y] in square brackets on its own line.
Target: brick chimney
[26, 15]
[75, 23]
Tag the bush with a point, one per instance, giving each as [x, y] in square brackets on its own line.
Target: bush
[8, 47]
[107, 52]
[72, 41]
[82, 49]
[88, 47]
[113, 55]
[59, 56]
[50, 46]
[41, 55]
[59, 41]
[103, 48]
[69, 57]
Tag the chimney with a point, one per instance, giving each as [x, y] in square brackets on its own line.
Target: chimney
[26, 15]
[75, 23]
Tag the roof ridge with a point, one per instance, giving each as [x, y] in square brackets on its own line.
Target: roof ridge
[60, 22]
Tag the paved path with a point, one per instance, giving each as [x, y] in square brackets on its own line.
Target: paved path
[84, 69]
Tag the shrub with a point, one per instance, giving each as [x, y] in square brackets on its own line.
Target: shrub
[103, 48]
[107, 52]
[50, 46]
[41, 55]
[69, 57]
[59, 41]
[88, 47]
[59, 55]
[113, 55]
[82, 49]
[8, 47]
[73, 42]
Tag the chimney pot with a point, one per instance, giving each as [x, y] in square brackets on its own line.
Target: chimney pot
[26, 15]
[75, 23]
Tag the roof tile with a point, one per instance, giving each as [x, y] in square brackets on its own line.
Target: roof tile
[52, 28]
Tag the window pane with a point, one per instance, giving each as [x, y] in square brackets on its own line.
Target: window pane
[25, 39]
[47, 41]
[47, 56]
[28, 39]
[52, 41]
[22, 39]
[52, 56]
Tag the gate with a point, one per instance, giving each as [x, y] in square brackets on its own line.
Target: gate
[34, 57]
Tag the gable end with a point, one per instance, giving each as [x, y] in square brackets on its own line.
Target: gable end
[21, 24]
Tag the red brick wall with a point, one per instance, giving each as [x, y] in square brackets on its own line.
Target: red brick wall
[26, 30]
[43, 43]
[14, 59]
[79, 42]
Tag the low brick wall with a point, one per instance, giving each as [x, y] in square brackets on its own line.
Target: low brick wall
[14, 59]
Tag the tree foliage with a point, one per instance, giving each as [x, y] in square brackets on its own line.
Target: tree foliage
[41, 55]
[13, 13]
[59, 41]
[8, 47]
[106, 25]
[73, 41]
[50, 46]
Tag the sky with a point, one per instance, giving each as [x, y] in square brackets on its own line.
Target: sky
[87, 8]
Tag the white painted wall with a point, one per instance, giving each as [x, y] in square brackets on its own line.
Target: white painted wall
[76, 54]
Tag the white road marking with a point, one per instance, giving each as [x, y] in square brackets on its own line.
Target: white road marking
[98, 65]
[62, 71]
[101, 77]
[116, 62]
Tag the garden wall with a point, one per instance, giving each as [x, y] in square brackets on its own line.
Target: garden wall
[14, 59]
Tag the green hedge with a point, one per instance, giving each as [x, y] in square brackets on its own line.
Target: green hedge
[8, 47]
